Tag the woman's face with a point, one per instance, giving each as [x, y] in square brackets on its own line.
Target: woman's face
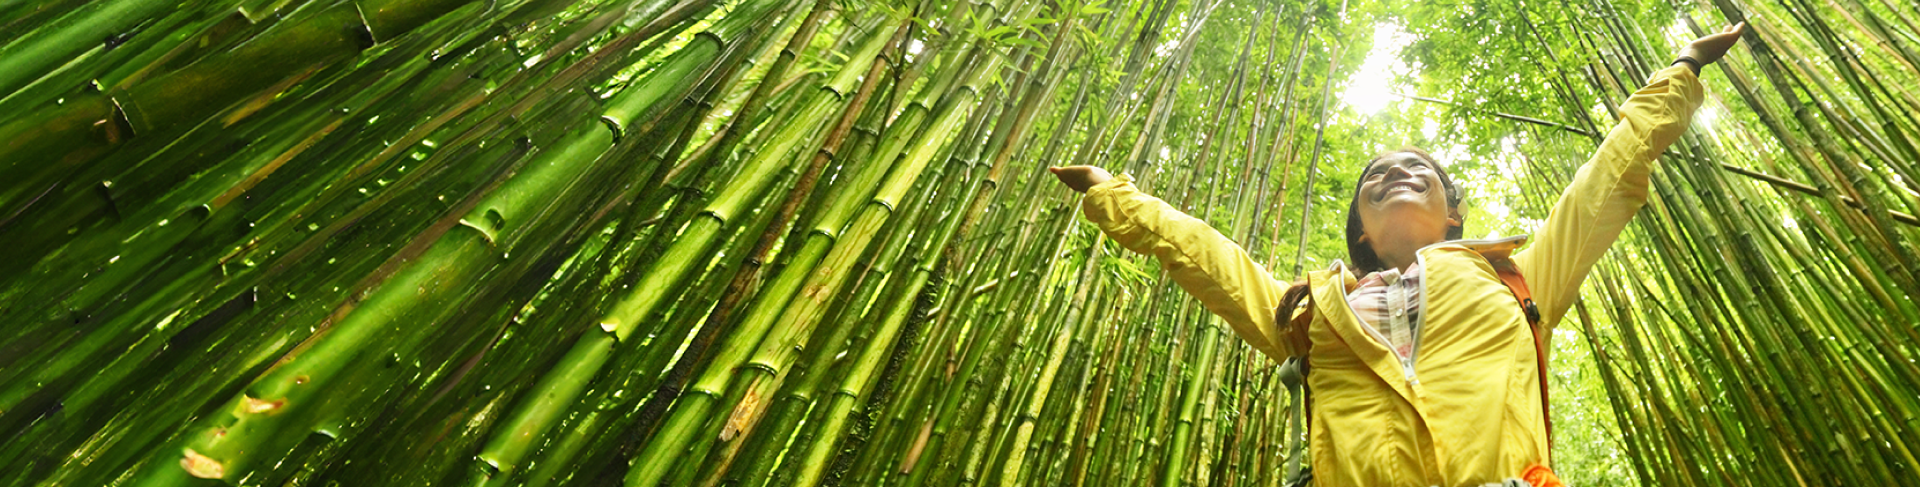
[1401, 197]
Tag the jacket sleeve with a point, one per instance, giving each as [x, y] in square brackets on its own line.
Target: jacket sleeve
[1607, 191]
[1202, 261]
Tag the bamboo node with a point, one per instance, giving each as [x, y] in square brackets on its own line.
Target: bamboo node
[490, 227]
[202, 466]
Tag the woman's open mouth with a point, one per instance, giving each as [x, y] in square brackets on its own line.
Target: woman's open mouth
[1398, 186]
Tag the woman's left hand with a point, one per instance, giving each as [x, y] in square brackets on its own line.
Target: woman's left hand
[1711, 48]
[1081, 178]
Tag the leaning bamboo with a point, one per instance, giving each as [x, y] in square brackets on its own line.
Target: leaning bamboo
[651, 465]
[561, 386]
[279, 399]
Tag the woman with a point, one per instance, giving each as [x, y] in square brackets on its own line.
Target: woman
[1424, 369]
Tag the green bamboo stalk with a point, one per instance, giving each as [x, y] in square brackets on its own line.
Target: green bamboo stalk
[966, 403]
[1096, 415]
[651, 291]
[813, 456]
[1056, 354]
[1722, 290]
[185, 98]
[1136, 60]
[609, 411]
[794, 420]
[32, 55]
[797, 319]
[796, 396]
[622, 320]
[280, 399]
[129, 184]
[925, 210]
[1189, 403]
[193, 229]
[1313, 161]
[840, 410]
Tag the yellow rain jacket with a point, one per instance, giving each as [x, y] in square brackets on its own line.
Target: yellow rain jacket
[1468, 411]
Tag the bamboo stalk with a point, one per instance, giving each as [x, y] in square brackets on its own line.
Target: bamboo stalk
[621, 321]
[650, 465]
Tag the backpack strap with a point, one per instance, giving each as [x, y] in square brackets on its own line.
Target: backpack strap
[1517, 284]
[1293, 374]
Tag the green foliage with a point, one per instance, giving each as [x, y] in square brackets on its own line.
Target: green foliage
[381, 242]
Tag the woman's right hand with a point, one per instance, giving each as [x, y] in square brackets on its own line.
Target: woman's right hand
[1711, 48]
[1080, 178]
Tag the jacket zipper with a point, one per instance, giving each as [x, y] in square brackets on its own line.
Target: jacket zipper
[1420, 257]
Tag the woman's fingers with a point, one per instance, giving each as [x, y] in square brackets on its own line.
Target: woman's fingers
[1732, 34]
[1080, 178]
[1711, 48]
[1070, 176]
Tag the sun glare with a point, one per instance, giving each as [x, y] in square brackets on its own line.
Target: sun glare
[1370, 89]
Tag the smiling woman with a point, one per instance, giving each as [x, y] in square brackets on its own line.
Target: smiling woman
[1469, 409]
[1401, 209]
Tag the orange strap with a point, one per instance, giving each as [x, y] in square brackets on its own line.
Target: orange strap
[1510, 275]
[1541, 476]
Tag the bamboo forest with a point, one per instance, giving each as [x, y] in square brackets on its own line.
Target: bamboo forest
[815, 242]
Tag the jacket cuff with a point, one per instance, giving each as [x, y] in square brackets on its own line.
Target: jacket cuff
[1677, 80]
[1098, 204]
[1675, 71]
[1111, 184]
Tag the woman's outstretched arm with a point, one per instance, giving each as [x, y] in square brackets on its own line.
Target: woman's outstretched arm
[1201, 260]
[1612, 186]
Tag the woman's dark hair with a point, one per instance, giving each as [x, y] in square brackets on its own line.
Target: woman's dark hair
[1364, 260]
